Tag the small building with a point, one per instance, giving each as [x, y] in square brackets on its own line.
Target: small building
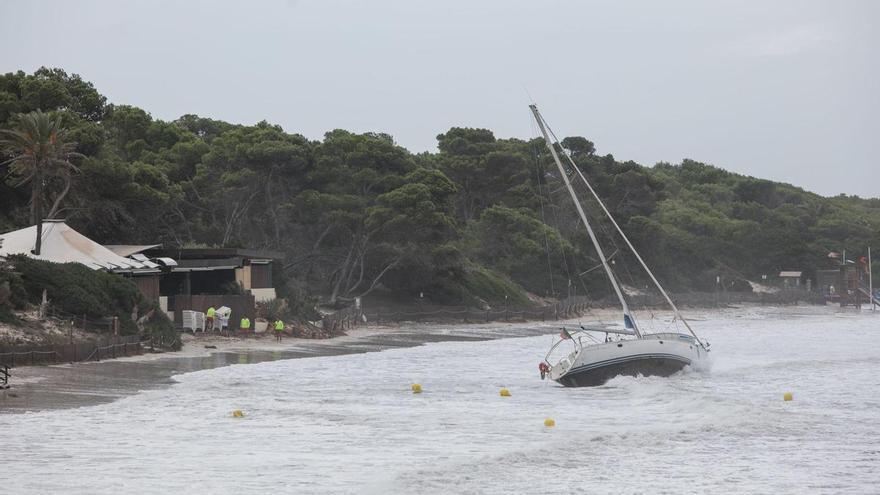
[204, 277]
[790, 279]
[846, 284]
[829, 281]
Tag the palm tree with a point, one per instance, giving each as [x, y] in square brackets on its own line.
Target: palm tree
[39, 153]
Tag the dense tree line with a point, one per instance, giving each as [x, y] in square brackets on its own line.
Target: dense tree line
[476, 222]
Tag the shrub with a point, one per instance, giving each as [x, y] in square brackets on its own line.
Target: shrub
[12, 293]
[78, 290]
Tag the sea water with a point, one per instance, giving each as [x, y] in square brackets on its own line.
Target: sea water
[350, 424]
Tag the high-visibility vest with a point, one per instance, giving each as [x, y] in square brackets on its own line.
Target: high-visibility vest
[245, 323]
[279, 325]
[211, 311]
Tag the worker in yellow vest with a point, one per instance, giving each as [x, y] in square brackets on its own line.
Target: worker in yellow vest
[245, 324]
[279, 327]
[209, 318]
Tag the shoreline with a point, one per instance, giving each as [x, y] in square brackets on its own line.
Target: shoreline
[69, 386]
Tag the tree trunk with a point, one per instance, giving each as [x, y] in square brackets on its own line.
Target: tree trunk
[37, 199]
[379, 277]
[342, 274]
[55, 206]
[270, 204]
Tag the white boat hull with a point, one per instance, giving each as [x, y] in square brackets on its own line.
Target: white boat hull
[652, 355]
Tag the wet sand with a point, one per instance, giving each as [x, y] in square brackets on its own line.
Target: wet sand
[84, 384]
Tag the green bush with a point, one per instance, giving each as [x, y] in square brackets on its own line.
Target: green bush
[158, 326]
[77, 290]
[12, 293]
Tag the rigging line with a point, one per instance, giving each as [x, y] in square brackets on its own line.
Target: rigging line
[579, 279]
[555, 209]
[568, 272]
[577, 203]
[675, 310]
[537, 154]
[538, 169]
[625, 265]
[609, 258]
[562, 248]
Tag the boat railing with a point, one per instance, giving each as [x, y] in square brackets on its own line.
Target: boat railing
[576, 342]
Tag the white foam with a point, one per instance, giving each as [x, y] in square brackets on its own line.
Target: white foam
[349, 424]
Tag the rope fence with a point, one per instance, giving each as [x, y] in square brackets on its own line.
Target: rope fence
[569, 308]
[353, 317]
[78, 352]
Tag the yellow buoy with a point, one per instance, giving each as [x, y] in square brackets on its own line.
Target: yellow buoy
[237, 414]
[787, 396]
[505, 392]
[416, 388]
[549, 423]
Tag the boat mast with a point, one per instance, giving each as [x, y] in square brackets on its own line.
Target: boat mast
[632, 248]
[577, 204]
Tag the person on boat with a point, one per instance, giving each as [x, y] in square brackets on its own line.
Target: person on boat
[209, 318]
[245, 324]
[279, 327]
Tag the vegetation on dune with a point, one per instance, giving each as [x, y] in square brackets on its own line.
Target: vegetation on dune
[76, 291]
[479, 219]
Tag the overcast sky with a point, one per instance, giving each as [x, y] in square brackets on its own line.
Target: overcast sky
[785, 90]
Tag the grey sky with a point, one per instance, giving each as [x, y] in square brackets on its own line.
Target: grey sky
[785, 90]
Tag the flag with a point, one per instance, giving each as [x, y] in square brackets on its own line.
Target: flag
[564, 334]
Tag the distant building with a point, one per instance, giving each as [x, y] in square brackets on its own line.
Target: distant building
[846, 284]
[790, 279]
[204, 277]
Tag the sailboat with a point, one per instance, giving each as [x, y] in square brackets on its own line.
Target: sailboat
[627, 350]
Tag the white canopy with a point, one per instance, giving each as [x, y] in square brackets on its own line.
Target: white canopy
[62, 244]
